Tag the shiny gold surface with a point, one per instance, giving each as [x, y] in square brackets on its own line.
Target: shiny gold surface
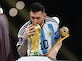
[34, 39]
[64, 31]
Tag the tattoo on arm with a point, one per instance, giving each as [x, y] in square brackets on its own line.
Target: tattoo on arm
[23, 48]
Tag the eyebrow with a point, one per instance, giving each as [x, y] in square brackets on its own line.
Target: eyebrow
[35, 17]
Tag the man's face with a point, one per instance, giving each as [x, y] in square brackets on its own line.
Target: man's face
[37, 17]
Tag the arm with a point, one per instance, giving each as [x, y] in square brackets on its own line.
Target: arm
[54, 50]
[22, 49]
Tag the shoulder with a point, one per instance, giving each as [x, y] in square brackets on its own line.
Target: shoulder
[51, 23]
[52, 19]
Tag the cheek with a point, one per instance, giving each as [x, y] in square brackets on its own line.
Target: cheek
[32, 21]
[40, 21]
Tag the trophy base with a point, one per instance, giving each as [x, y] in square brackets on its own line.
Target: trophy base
[34, 54]
[34, 58]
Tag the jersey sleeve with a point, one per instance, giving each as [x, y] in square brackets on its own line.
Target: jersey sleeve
[56, 29]
[57, 34]
[21, 32]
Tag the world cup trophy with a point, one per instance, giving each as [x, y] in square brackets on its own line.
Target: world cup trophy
[34, 41]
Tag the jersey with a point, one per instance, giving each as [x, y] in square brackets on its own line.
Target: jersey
[49, 32]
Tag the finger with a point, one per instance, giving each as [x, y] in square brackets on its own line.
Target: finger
[33, 30]
[29, 26]
[31, 33]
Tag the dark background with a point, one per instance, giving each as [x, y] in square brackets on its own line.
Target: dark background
[68, 11]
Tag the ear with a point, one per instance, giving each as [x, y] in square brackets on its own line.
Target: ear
[45, 15]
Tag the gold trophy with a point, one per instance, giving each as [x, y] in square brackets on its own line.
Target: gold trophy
[64, 31]
[34, 41]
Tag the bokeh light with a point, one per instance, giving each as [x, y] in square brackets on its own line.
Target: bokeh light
[20, 5]
[13, 12]
[1, 11]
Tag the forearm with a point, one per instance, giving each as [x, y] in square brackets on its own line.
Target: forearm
[22, 49]
[53, 51]
[58, 43]
[56, 48]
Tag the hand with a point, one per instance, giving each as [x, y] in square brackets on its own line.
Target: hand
[51, 56]
[53, 52]
[30, 30]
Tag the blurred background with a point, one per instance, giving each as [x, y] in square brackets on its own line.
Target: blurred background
[69, 13]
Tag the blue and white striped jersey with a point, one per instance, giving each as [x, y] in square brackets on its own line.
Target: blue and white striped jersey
[49, 32]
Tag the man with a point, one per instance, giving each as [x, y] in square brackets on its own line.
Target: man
[48, 35]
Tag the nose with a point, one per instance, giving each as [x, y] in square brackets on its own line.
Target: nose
[35, 21]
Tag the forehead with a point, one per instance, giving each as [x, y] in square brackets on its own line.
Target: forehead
[36, 14]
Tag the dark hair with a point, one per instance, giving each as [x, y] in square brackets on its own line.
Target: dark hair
[35, 7]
